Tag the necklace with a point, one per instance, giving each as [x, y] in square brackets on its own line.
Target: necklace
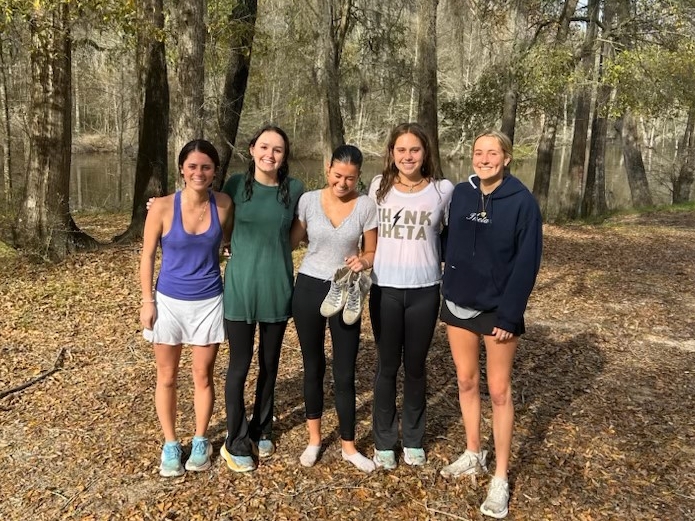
[205, 207]
[484, 204]
[410, 187]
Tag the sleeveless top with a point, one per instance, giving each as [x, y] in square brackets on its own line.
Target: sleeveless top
[190, 263]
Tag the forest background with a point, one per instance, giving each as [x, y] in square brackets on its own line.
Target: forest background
[603, 378]
[142, 78]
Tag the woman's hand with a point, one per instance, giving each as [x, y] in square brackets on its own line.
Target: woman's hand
[149, 202]
[357, 264]
[148, 314]
[501, 335]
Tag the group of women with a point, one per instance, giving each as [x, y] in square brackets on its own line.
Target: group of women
[487, 231]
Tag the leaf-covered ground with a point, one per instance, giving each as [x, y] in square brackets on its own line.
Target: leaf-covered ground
[604, 385]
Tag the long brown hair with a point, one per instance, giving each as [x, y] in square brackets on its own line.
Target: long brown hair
[391, 170]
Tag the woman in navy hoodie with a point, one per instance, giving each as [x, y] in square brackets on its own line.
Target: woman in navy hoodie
[493, 252]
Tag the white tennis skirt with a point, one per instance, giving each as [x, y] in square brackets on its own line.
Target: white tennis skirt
[194, 322]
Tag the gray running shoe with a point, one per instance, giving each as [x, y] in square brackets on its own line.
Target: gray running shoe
[469, 463]
[497, 502]
[356, 294]
[335, 300]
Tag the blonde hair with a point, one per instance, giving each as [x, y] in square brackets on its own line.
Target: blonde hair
[502, 139]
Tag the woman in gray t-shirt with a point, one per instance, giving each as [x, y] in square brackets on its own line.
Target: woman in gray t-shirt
[333, 220]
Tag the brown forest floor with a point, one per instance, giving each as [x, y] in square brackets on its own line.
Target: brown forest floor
[604, 384]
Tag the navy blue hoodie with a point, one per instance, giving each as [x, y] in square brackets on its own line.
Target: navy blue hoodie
[493, 249]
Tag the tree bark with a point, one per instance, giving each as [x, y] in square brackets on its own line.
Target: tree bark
[243, 22]
[575, 178]
[511, 101]
[151, 174]
[634, 165]
[546, 146]
[594, 199]
[189, 76]
[334, 23]
[7, 137]
[426, 68]
[544, 162]
[683, 182]
[44, 225]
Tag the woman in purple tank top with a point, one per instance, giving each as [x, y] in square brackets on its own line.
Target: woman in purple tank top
[185, 306]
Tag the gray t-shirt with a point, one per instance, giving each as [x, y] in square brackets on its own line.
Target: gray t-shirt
[330, 245]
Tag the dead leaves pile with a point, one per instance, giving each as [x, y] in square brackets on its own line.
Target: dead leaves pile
[603, 387]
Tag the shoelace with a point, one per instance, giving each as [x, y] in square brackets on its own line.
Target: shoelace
[498, 494]
[354, 296]
[334, 294]
[198, 447]
[171, 451]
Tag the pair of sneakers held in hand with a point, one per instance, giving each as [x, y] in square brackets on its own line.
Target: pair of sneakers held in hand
[347, 293]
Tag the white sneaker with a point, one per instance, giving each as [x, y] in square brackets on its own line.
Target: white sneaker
[385, 459]
[336, 297]
[414, 457]
[469, 463]
[356, 294]
[497, 502]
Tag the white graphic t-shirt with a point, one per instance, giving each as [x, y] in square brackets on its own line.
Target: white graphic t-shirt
[407, 251]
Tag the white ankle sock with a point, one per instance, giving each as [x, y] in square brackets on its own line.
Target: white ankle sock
[310, 455]
[359, 461]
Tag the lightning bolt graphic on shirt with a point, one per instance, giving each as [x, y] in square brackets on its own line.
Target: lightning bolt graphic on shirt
[396, 217]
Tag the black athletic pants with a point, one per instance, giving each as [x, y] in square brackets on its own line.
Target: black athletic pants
[403, 321]
[241, 335]
[309, 293]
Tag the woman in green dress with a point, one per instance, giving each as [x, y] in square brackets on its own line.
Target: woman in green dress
[258, 290]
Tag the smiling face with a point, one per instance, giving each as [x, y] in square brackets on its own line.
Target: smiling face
[342, 179]
[268, 152]
[408, 155]
[489, 160]
[198, 170]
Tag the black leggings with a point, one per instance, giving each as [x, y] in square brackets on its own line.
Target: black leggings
[240, 335]
[309, 293]
[403, 321]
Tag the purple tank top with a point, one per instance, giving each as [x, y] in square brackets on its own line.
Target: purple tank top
[190, 263]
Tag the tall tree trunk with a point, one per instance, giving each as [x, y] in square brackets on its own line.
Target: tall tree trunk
[243, 23]
[426, 68]
[189, 75]
[544, 162]
[546, 146]
[44, 225]
[518, 30]
[511, 101]
[683, 182]
[151, 175]
[594, 199]
[334, 24]
[7, 134]
[575, 177]
[634, 165]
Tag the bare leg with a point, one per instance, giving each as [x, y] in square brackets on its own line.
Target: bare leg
[204, 390]
[500, 357]
[465, 349]
[167, 358]
[314, 427]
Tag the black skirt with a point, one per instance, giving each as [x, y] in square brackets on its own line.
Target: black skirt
[483, 324]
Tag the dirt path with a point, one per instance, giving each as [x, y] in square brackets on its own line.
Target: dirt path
[604, 385]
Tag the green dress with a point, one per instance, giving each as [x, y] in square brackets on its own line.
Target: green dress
[258, 279]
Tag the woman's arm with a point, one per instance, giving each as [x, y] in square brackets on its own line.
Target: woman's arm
[366, 259]
[151, 236]
[297, 233]
[225, 209]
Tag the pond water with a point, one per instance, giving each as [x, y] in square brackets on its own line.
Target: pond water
[97, 184]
